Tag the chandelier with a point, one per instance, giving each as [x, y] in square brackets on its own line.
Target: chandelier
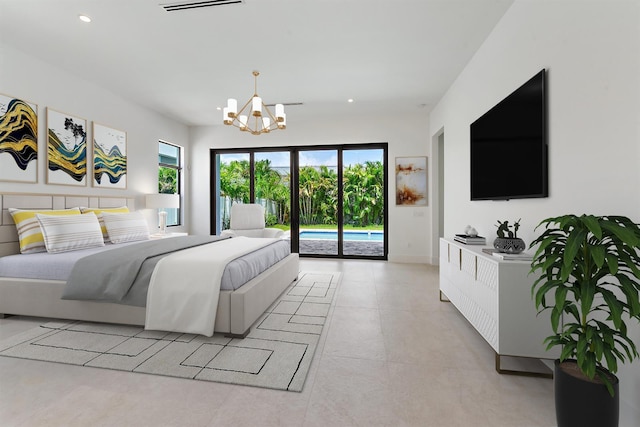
[251, 117]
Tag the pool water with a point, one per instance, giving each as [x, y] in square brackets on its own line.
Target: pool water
[349, 235]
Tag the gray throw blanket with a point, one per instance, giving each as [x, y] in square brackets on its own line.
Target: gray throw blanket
[122, 275]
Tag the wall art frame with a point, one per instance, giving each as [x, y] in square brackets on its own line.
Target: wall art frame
[411, 181]
[66, 149]
[18, 140]
[109, 157]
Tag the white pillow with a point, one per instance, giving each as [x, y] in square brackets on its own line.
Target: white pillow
[29, 230]
[98, 212]
[63, 233]
[125, 227]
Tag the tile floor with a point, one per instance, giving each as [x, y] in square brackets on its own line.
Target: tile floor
[392, 355]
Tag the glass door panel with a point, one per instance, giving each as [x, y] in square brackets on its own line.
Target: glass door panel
[363, 202]
[318, 202]
[272, 183]
[234, 179]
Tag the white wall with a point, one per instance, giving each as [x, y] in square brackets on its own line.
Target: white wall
[23, 76]
[406, 135]
[591, 50]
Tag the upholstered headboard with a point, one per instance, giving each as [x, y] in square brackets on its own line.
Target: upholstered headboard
[8, 234]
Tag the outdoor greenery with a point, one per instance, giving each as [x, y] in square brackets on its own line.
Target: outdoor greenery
[363, 192]
[234, 181]
[274, 187]
[589, 279]
[318, 195]
[167, 180]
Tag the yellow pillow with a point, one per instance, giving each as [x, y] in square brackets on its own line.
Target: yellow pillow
[29, 231]
[98, 213]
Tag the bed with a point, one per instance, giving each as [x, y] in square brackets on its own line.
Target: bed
[237, 309]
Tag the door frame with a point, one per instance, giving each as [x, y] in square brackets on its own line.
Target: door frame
[294, 199]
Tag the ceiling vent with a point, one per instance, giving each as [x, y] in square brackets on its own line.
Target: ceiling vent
[176, 7]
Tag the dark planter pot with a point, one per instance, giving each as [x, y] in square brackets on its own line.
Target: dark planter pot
[581, 403]
[509, 245]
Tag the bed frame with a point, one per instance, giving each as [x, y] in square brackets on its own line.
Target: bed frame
[237, 310]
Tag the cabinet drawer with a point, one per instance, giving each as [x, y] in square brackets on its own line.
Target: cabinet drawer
[487, 273]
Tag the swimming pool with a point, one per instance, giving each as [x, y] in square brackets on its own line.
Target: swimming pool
[349, 235]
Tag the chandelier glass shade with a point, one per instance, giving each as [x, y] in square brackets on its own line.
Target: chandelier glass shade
[254, 117]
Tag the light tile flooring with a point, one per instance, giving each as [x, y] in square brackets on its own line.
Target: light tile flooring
[393, 355]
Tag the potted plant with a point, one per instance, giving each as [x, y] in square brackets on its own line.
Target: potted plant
[508, 240]
[589, 280]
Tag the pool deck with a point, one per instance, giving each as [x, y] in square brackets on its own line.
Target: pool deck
[330, 247]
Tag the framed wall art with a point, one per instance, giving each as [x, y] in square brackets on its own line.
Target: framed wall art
[109, 157]
[18, 140]
[66, 149]
[411, 181]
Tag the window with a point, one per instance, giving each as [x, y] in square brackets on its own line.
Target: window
[170, 176]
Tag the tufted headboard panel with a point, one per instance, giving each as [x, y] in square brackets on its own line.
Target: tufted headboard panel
[8, 234]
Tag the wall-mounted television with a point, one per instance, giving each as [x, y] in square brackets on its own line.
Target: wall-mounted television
[509, 146]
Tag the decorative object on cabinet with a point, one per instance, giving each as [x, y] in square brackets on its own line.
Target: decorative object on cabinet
[411, 181]
[470, 231]
[589, 279]
[18, 140]
[109, 157]
[508, 241]
[494, 296]
[470, 240]
[519, 256]
[66, 149]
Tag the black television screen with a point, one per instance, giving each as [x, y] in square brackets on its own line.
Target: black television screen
[509, 146]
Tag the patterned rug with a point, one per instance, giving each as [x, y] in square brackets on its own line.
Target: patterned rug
[276, 354]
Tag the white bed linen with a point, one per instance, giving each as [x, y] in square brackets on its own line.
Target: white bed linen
[46, 266]
[185, 286]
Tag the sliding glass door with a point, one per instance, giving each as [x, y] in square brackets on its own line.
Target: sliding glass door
[363, 189]
[318, 202]
[233, 185]
[272, 184]
[329, 200]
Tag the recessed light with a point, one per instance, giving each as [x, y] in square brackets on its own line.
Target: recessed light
[219, 108]
[84, 18]
[349, 100]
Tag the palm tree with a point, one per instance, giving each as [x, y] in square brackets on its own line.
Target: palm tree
[234, 180]
[273, 187]
[363, 194]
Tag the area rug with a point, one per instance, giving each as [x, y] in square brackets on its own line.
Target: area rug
[276, 354]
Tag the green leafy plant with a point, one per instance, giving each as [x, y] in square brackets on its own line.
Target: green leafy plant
[507, 231]
[589, 278]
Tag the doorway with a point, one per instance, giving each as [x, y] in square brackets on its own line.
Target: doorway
[329, 200]
[437, 224]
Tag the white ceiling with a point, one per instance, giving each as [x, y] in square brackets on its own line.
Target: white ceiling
[392, 55]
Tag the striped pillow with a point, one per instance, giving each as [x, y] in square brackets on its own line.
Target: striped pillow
[99, 211]
[29, 231]
[70, 233]
[126, 227]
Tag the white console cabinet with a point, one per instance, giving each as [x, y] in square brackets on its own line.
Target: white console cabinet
[495, 297]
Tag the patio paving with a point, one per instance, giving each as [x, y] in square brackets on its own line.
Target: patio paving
[330, 247]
